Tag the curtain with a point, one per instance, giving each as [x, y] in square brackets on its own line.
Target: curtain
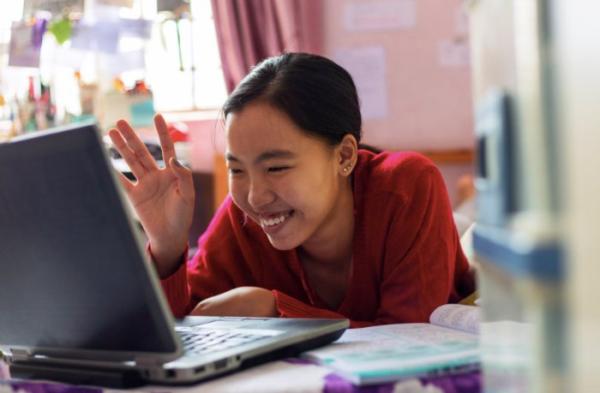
[251, 30]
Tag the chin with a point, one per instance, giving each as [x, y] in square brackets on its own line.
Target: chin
[283, 245]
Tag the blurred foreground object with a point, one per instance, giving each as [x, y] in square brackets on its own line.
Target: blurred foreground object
[517, 239]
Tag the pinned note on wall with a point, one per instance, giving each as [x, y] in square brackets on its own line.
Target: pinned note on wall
[101, 37]
[453, 53]
[425, 98]
[380, 15]
[105, 36]
[116, 3]
[367, 67]
[461, 21]
[23, 50]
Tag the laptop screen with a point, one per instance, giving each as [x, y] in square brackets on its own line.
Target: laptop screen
[72, 273]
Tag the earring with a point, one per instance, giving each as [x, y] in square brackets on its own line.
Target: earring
[347, 169]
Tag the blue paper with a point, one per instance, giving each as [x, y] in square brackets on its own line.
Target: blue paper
[142, 113]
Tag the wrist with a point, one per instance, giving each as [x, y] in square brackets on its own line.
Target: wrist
[167, 261]
[266, 304]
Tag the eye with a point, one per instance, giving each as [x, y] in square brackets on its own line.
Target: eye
[278, 168]
[234, 171]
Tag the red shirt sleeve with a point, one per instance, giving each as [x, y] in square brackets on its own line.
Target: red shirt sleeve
[216, 267]
[289, 307]
[175, 286]
[424, 265]
[177, 291]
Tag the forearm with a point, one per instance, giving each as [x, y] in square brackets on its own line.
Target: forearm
[241, 302]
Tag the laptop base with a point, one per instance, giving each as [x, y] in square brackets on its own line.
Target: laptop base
[74, 375]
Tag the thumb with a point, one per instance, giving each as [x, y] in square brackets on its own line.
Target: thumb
[184, 175]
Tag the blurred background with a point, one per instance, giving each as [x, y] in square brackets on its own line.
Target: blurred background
[501, 94]
[65, 61]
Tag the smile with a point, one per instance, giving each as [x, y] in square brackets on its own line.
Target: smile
[272, 222]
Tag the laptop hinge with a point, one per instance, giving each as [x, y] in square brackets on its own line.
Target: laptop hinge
[147, 362]
[19, 355]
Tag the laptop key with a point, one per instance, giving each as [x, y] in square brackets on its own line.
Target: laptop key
[203, 340]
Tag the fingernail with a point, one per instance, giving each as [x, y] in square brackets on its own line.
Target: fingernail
[177, 163]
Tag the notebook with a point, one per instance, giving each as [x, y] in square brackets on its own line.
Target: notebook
[81, 303]
[386, 353]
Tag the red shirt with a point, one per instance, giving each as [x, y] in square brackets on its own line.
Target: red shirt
[407, 258]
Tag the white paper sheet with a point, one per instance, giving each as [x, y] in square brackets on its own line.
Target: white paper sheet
[124, 61]
[67, 57]
[367, 67]
[380, 15]
[276, 377]
[106, 36]
[457, 316]
[101, 37]
[116, 3]
[414, 333]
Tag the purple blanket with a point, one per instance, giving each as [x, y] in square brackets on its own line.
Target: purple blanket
[469, 382]
[462, 383]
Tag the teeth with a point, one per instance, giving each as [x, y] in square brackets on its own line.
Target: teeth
[273, 221]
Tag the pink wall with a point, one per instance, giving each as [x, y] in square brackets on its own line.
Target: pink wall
[426, 88]
[428, 93]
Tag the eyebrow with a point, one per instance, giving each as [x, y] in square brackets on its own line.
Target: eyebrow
[265, 156]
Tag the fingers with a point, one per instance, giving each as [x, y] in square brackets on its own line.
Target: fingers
[128, 155]
[166, 143]
[136, 145]
[125, 182]
[186, 182]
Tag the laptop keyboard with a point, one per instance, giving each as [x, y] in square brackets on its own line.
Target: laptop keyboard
[199, 341]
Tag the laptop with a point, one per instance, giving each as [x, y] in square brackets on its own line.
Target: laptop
[80, 302]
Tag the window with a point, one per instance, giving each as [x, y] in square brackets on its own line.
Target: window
[12, 11]
[183, 64]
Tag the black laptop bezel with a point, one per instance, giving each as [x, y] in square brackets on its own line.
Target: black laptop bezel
[88, 133]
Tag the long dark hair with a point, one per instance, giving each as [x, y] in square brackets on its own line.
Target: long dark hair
[313, 91]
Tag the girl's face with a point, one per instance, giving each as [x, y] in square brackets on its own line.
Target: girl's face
[284, 179]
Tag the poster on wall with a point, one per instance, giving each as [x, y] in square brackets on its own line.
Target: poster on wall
[380, 15]
[116, 3]
[367, 67]
[55, 7]
[23, 50]
[461, 21]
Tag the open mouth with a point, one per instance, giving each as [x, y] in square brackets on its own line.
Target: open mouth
[275, 222]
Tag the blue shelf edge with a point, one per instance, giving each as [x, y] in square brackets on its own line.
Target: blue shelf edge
[540, 262]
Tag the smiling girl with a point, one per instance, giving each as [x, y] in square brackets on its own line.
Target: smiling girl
[314, 226]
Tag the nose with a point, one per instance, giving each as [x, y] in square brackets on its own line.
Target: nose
[259, 193]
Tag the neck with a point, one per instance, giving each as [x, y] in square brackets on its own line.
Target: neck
[332, 244]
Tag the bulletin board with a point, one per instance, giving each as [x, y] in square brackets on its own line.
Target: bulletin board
[410, 61]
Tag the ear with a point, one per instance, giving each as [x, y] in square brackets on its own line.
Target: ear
[347, 154]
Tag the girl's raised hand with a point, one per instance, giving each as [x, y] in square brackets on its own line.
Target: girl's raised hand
[163, 198]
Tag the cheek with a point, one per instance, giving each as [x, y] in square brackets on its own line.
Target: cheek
[238, 193]
[312, 194]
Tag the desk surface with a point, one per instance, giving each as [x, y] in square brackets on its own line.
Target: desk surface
[291, 375]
